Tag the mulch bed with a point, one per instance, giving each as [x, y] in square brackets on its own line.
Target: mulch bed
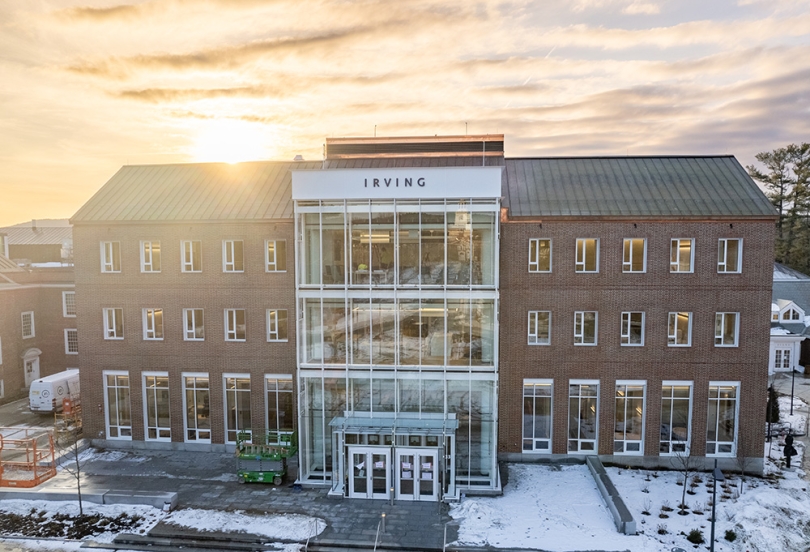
[40, 524]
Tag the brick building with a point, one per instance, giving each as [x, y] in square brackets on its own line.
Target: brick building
[419, 308]
[38, 332]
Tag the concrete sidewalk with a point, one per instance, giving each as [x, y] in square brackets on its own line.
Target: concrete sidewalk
[208, 480]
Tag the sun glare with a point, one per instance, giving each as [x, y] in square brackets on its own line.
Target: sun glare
[231, 141]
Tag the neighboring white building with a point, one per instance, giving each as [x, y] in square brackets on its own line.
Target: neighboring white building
[789, 321]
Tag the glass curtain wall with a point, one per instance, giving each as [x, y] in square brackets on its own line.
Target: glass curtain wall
[397, 303]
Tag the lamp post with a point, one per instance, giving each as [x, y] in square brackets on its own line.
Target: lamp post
[792, 385]
[718, 477]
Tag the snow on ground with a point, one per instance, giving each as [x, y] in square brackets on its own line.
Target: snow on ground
[558, 508]
[798, 421]
[276, 526]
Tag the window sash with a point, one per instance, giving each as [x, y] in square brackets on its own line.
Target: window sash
[110, 256]
[539, 255]
[118, 405]
[628, 435]
[192, 256]
[539, 328]
[235, 325]
[722, 420]
[150, 256]
[28, 325]
[237, 406]
[276, 325]
[629, 321]
[682, 254]
[71, 341]
[538, 418]
[233, 259]
[679, 330]
[153, 324]
[194, 324]
[782, 358]
[279, 393]
[276, 256]
[114, 323]
[726, 326]
[729, 255]
[587, 257]
[676, 414]
[585, 327]
[634, 255]
[157, 407]
[69, 304]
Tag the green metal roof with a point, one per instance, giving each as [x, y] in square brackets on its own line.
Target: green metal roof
[632, 186]
[532, 187]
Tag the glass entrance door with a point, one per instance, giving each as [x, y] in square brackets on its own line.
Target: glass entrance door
[417, 474]
[370, 472]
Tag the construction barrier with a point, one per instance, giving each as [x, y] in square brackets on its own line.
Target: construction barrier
[26, 457]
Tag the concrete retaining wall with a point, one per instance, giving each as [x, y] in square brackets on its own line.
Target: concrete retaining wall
[621, 515]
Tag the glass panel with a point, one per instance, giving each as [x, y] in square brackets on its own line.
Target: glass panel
[483, 249]
[408, 395]
[312, 248]
[432, 248]
[409, 254]
[382, 397]
[361, 331]
[334, 328]
[434, 345]
[459, 247]
[383, 331]
[482, 345]
[432, 396]
[360, 474]
[314, 331]
[379, 476]
[406, 472]
[427, 465]
[361, 252]
[458, 332]
[412, 331]
[381, 241]
[361, 394]
[334, 264]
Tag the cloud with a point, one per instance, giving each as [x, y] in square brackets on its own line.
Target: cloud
[123, 11]
[163, 95]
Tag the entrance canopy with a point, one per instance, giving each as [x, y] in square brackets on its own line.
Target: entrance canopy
[395, 425]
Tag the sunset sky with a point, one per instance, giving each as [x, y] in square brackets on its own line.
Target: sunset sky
[88, 87]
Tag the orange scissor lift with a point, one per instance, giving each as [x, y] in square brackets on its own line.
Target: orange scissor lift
[26, 457]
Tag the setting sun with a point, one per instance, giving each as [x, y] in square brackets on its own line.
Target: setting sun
[232, 141]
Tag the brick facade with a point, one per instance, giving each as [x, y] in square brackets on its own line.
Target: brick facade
[655, 292]
[254, 290]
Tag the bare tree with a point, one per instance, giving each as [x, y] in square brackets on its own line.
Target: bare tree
[686, 464]
[67, 439]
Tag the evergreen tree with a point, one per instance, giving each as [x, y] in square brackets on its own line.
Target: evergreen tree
[786, 178]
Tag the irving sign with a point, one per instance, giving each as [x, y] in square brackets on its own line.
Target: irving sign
[401, 183]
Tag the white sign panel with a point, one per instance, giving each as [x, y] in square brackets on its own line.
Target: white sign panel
[400, 183]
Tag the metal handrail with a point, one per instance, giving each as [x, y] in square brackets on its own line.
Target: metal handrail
[451, 522]
[377, 538]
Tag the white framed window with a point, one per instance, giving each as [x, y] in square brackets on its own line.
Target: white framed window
[729, 255]
[634, 255]
[275, 255]
[113, 323]
[791, 315]
[111, 256]
[71, 341]
[69, 304]
[540, 255]
[193, 325]
[153, 324]
[679, 329]
[726, 329]
[781, 359]
[682, 255]
[150, 256]
[156, 411]
[628, 434]
[676, 418]
[237, 406]
[235, 325]
[197, 406]
[279, 391]
[583, 416]
[29, 329]
[587, 259]
[585, 327]
[117, 405]
[233, 256]
[276, 325]
[721, 421]
[537, 415]
[191, 256]
[632, 329]
[539, 327]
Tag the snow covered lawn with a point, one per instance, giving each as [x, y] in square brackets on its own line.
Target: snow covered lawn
[797, 421]
[558, 508]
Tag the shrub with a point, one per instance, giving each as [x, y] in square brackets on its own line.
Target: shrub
[662, 529]
[731, 536]
[647, 505]
[695, 536]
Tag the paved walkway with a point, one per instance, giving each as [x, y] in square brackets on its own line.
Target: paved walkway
[208, 480]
